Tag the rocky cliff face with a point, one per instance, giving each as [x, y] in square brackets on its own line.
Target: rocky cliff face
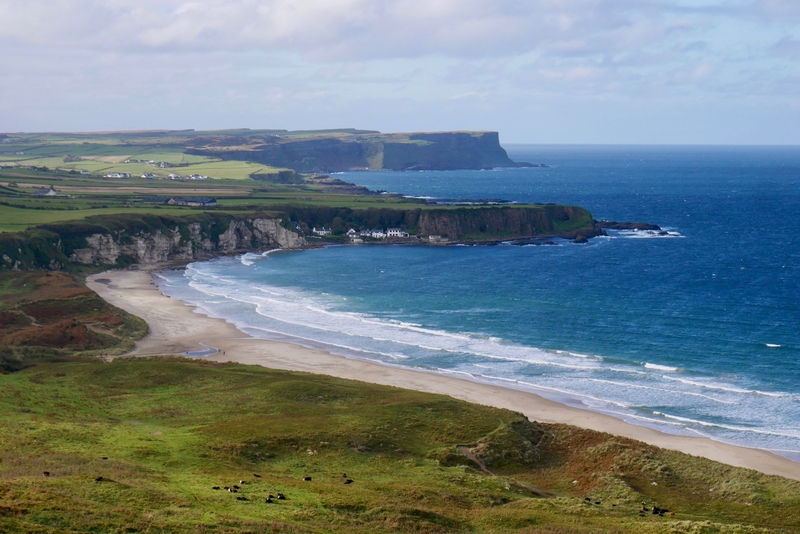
[124, 240]
[191, 242]
[508, 222]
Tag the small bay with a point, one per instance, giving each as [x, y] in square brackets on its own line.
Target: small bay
[696, 333]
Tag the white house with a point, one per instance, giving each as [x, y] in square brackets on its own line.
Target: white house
[322, 231]
[198, 177]
[149, 175]
[395, 232]
[45, 193]
[85, 172]
[113, 175]
[351, 233]
[378, 234]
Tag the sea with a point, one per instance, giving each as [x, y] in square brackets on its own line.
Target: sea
[696, 332]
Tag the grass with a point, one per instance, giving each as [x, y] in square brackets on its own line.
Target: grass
[46, 316]
[231, 170]
[163, 433]
[17, 219]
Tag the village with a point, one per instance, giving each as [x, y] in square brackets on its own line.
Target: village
[359, 236]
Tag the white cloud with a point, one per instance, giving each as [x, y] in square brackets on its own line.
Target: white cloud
[337, 29]
[189, 63]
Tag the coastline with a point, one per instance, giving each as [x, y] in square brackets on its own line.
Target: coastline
[179, 328]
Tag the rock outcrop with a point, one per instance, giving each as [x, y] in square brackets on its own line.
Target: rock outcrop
[147, 248]
[508, 222]
[128, 239]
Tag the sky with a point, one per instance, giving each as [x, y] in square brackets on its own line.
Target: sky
[537, 71]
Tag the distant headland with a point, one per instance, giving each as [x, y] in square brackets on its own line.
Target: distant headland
[351, 150]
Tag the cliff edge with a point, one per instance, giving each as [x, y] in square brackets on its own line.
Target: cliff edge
[367, 151]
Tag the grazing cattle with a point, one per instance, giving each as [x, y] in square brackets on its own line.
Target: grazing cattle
[269, 500]
[344, 475]
[348, 481]
[256, 475]
[241, 498]
[598, 502]
[98, 479]
[46, 473]
[587, 499]
[235, 486]
[307, 479]
[215, 488]
[104, 458]
[242, 482]
[281, 497]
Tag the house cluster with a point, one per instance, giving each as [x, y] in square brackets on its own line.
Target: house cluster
[377, 233]
[204, 202]
[373, 234]
[151, 176]
[173, 176]
[159, 164]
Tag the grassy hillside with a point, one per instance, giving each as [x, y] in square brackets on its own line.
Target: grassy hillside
[51, 316]
[163, 434]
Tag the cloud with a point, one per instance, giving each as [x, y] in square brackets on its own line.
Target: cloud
[786, 47]
[334, 30]
[189, 63]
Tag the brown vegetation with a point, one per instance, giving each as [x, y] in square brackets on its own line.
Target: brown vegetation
[52, 316]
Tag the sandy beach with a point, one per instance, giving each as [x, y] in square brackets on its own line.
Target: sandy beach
[177, 328]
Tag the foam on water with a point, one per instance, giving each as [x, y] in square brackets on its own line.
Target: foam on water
[658, 367]
[316, 320]
[695, 330]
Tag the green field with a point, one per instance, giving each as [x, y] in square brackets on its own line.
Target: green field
[163, 434]
[49, 150]
[16, 219]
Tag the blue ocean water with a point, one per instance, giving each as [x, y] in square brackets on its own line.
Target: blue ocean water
[694, 334]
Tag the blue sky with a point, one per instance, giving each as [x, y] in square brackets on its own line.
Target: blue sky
[538, 71]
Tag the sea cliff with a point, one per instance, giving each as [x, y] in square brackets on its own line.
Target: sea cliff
[368, 151]
[125, 240]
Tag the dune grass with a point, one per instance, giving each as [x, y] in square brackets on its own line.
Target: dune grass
[163, 433]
